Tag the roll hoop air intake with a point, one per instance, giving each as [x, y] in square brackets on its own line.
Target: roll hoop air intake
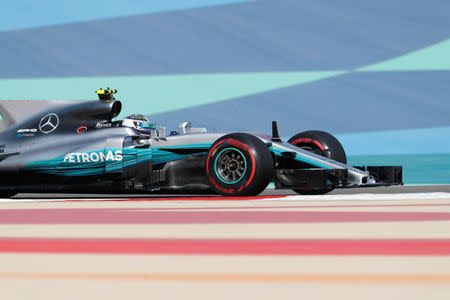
[106, 96]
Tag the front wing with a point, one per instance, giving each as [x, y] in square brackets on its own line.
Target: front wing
[328, 173]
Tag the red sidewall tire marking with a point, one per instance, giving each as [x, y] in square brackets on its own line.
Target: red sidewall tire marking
[247, 148]
[238, 144]
[230, 191]
[242, 146]
[263, 135]
[306, 140]
[211, 179]
[250, 179]
[209, 155]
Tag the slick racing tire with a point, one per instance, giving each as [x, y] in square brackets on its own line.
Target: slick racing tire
[321, 143]
[7, 194]
[239, 164]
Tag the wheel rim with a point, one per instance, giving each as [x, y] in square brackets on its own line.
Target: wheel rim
[230, 165]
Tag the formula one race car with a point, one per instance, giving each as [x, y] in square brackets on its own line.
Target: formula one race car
[76, 147]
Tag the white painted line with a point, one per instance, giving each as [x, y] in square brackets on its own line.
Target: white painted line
[399, 196]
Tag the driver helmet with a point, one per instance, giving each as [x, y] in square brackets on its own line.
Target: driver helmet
[139, 122]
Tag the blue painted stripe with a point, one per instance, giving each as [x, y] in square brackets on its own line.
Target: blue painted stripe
[21, 14]
[411, 141]
[259, 36]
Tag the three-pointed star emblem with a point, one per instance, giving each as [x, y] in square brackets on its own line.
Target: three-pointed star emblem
[49, 123]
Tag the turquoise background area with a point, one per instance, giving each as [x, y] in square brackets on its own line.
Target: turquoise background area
[417, 168]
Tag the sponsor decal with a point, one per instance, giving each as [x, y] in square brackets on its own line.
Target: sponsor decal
[32, 130]
[26, 132]
[49, 123]
[92, 157]
[82, 129]
[2, 148]
[103, 125]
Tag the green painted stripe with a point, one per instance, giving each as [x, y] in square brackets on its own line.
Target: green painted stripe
[157, 94]
[432, 58]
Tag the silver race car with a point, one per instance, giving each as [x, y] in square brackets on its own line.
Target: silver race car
[76, 146]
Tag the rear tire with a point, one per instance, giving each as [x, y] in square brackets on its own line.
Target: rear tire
[239, 164]
[321, 143]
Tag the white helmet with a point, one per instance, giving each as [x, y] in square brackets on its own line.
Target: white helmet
[139, 122]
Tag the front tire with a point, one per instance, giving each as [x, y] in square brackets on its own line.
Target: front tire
[239, 164]
[321, 143]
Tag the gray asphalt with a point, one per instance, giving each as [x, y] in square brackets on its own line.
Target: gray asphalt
[267, 192]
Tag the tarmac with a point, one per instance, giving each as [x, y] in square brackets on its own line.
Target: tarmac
[390, 242]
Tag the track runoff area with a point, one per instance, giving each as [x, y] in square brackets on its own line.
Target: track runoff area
[389, 242]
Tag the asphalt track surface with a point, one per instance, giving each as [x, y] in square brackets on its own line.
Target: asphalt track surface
[391, 243]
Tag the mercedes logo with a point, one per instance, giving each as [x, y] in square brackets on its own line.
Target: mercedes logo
[49, 123]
